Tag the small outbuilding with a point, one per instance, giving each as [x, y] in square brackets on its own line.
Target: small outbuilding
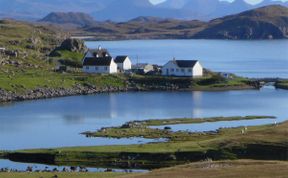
[183, 68]
[143, 68]
[123, 63]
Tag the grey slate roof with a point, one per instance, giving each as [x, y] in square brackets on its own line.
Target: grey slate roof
[120, 59]
[103, 61]
[185, 63]
[99, 52]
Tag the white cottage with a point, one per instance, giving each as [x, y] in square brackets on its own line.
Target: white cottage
[123, 63]
[99, 62]
[183, 68]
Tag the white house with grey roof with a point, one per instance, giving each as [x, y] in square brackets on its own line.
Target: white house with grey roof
[123, 63]
[183, 68]
[99, 62]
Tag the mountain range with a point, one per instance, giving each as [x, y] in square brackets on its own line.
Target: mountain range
[268, 22]
[123, 10]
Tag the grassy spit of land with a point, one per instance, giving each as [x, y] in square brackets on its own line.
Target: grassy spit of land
[267, 142]
[143, 128]
[162, 122]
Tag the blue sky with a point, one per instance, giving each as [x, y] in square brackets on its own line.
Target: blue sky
[249, 1]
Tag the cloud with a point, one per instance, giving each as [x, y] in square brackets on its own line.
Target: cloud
[156, 1]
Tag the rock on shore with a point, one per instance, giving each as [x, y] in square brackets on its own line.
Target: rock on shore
[43, 93]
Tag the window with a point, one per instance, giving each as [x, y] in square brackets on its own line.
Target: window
[87, 67]
[106, 68]
[182, 70]
[172, 70]
[190, 70]
[96, 68]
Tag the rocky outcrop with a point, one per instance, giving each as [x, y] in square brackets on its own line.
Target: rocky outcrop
[72, 45]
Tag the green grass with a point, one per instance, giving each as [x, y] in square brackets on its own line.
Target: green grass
[31, 79]
[211, 81]
[69, 58]
[21, 81]
[71, 55]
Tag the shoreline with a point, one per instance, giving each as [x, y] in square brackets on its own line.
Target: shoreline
[49, 93]
[92, 37]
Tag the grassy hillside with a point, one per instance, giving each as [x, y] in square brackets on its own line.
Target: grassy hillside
[29, 65]
[29, 46]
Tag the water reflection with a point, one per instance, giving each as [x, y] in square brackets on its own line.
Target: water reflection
[42, 167]
[197, 100]
[74, 119]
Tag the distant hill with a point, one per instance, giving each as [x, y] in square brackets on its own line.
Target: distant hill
[36, 9]
[75, 18]
[143, 19]
[269, 22]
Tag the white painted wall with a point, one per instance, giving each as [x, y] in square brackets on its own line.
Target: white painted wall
[101, 69]
[171, 69]
[113, 67]
[126, 65]
[198, 70]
